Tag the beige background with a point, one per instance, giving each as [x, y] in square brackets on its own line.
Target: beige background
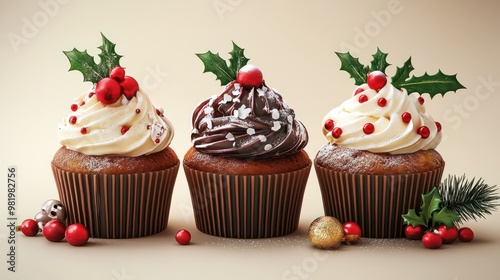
[293, 42]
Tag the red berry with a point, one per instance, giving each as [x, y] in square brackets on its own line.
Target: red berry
[362, 98]
[54, 230]
[465, 234]
[432, 240]
[352, 232]
[376, 80]
[382, 102]
[329, 124]
[358, 90]
[438, 125]
[414, 233]
[74, 107]
[449, 235]
[83, 130]
[108, 91]
[125, 129]
[117, 73]
[77, 234]
[336, 132]
[424, 131]
[72, 119]
[129, 87]
[421, 100]
[183, 237]
[157, 141]
[137, 111]
[368, 128]
[29, 227]
[249, 76]
[406, 117]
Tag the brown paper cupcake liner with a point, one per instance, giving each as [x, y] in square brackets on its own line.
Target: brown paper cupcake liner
[247, 206]
[117, 205]
[375, 202]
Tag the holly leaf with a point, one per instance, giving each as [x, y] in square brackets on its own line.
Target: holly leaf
[85, 63]
[351, 65]
[379, 61]
[444, 216]
[438, 83]
[237, 60]
[402, 73]
[412, 218]
[430, 203]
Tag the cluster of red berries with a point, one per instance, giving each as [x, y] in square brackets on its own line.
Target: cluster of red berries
[108, 90]
[442, 235]
[55, 230]
[376, 80]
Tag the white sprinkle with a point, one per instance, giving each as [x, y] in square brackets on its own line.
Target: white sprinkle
[226, 98]
[211, 101]
[276, 126]
[250, 131]
[251, 94]
[243, 112]
[290, 119]
[236, 86]
[275, 114]
[236, 100]
[260, 92]
[208, 110]
[264, 88]
[268, 147]
[150, 116]
[209, 123]
[262, 138]
[230, 136]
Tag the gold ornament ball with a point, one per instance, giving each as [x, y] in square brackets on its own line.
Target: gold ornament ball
[326, 232]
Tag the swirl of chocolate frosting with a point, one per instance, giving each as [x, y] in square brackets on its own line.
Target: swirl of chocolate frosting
[247, 123]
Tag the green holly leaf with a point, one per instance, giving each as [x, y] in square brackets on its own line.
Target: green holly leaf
[402, 73]
[444, 216]
[430, 202]
[438, 83]
[218, 66]
[351, 65]
[412, 218]
[379, 61]
[85, 63]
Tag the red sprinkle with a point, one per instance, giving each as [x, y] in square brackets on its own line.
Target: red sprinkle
[83, 130]
[421, 100]
[157, 140]
[358, 90]
[438, 125]
[336, 132]
[72, 120]
[329, 124]
[82, 103]
[137, 111]
[362, 98]
[406, 117]
[368, 128]
[91, 94]
[424, 131]
[382, 102]
[74, 107]
[159, 112]
[125, 129]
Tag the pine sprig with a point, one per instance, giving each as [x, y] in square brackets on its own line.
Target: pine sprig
[469, 199]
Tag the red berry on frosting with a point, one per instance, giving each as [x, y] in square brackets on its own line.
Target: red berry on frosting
[368, 128]
[336, 132]
[424, 131]
[406, 117]
[117, 73]
[376, 80]
[74, 107]
[137, 111]
[382, 102]
[362, 98]
[129, 87]
[358, 90]
[249, 76]
[439, 126]
[329, 124]
[108, 91]
[125, 129]
[83, 130]
[72, 120]
[421, 100]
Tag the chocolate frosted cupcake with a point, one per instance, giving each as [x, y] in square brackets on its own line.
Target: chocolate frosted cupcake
[380, 156]
[115, 171]
[247, 169]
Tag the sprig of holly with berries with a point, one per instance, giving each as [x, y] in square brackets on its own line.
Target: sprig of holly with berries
[109, 77]
[374, 75]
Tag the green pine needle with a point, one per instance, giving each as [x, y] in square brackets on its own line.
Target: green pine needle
[469, 199]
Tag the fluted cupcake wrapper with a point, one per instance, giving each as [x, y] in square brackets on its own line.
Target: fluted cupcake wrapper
[375, 202]
[247, 206]
[117, 205]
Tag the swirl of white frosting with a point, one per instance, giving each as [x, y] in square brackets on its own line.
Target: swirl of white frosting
[125, 128]
[391, 134]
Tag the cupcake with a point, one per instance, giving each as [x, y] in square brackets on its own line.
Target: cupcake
[381, 151]
[247, 169]
[115, 171]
